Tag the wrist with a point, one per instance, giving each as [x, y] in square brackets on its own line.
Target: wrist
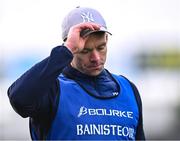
[70, 47]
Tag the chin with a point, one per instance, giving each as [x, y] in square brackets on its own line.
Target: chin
[94, 73]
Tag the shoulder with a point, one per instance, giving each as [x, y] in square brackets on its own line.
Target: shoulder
[65, 80]
[133, 86]
[123, 78]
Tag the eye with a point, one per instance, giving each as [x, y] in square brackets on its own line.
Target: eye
[101, 47]
[84, 51]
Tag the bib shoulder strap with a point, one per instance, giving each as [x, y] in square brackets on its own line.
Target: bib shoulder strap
[140, 131]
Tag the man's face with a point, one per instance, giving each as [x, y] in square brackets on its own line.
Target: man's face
[92, 58]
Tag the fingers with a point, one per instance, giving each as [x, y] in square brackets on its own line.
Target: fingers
[88, 25]
[92, 26]
[75, 42]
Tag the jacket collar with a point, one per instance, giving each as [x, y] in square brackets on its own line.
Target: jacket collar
[100, 86]
[73, 73]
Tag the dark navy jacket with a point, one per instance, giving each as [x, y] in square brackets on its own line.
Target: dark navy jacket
[35, 94]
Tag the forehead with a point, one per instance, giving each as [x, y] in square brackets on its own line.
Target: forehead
[97, 37]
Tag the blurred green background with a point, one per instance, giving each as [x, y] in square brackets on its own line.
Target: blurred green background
[145, 47]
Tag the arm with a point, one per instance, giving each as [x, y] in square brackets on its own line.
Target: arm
[29, 95]
[34, 92]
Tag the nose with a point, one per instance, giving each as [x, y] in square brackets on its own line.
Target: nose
[95, 56]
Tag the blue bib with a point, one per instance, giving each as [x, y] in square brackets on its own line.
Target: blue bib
[81, 116]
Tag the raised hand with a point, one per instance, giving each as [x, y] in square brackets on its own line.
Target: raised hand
[75, 42]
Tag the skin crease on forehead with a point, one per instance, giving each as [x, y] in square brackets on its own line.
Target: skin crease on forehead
[92, 58]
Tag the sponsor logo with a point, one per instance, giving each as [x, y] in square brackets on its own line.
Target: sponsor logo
[115, 93]
[82, 111]
[104, 112]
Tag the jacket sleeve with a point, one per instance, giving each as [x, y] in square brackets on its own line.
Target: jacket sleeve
[32, 94]
[140, 131]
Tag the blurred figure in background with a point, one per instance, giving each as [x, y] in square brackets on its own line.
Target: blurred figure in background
[70, 95]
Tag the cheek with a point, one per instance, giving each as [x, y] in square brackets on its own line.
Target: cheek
[103, 55]
[81, 60]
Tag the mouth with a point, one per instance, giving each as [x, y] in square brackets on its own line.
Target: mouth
[95, 67]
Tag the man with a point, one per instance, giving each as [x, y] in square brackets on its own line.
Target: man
[71, 96]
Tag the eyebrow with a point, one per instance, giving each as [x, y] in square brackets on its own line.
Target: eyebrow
[102, 44]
